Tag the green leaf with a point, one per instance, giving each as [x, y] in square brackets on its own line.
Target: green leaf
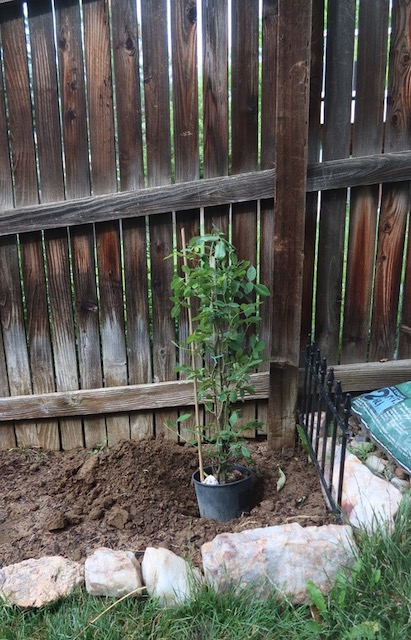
[316, 597]
[281, 479]
[233, 419]
[262, 290]
[219, 251]
[184, 417]
[251, 273]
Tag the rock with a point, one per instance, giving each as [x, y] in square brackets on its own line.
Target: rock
[34, 583]
[57, 522]
[112, 573]
[88, 467]
[117, 517]
[367, 501]
[168, 577]
[286, 556]
[210, 480]
[375, 464]
[401, 474]
[401, 485]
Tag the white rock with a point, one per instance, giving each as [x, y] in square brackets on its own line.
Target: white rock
[34, 583]
[401, 485]
[112, 573]
[375, 463]
[284, 556]
[168, 577]
[210, 480]
[367, 501]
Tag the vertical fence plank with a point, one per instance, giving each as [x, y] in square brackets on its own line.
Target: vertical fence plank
[185, 112]
[268, 103]
[336, 144]
[130, 147]
[158, 139]
[367, 139]
[395, 199]
[8, 436]
[125, 48]
[215, 102]
[77, 176]
[51, 183]
[104, 180]
[244, 117]
[294, 23]
[25, 193]
[314, 143]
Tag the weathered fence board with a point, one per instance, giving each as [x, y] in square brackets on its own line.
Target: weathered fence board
[368, 131]
[244, 88]
[288, 240]
[395, 199]
[116, 132]
[215, 105]
[314, 149]
[336, 144]
[266, 207]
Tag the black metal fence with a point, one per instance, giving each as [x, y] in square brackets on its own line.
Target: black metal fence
[323, 415]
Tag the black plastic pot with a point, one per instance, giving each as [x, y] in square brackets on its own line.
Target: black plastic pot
[223, 502]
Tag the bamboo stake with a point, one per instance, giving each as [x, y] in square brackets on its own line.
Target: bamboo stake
[193, 365]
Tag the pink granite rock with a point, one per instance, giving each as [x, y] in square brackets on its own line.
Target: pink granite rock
[34, 583]
[284, 557]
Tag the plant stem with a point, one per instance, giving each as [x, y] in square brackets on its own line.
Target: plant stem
[193, 365]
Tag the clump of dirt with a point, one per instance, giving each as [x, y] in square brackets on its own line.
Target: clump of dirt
[134, 495]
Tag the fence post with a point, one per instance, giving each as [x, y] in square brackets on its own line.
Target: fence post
[291, 133]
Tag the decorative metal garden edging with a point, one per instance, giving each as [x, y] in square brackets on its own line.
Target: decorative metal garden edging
[323, 416]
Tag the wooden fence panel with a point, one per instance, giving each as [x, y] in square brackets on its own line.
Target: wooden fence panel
[186, 149]
[268, 105]
[158, 140]
[290, 190]
[395, 202]
[25, 193]
[314, 146]
[336, 144]
[77, 184]
[126, 59]
[51, 180]
[244, 118]
[215, 102]
[130, 148]
[8, 436]
[368, 130]
[104, 180]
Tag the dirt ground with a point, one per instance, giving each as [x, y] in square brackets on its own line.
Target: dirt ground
[135, 495]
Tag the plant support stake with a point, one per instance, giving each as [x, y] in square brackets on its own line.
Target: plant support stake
[192, 350]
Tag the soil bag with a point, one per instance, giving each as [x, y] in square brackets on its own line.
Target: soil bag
[386, 416]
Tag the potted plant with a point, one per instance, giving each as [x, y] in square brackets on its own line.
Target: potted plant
[223, 298]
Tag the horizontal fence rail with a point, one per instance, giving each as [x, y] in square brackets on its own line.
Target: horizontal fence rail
[323, 416]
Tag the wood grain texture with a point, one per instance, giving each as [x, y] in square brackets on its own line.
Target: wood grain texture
[125, 48]
[209, 192]
[215, 105]
[368, 131]
[244, 110]
[294, 23]
[18, 349]
[395, 199]
[355, 378]
[158, 138]
[314, 145]
[77, 184]
[336, 144]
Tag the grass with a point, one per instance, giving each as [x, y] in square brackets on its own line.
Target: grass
[373, 603]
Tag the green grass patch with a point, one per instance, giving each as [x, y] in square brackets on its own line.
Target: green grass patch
[373, 603]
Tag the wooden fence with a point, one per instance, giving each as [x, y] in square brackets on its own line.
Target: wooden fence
[122, 122]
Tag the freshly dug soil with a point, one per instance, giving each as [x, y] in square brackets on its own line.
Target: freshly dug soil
[136, 494]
